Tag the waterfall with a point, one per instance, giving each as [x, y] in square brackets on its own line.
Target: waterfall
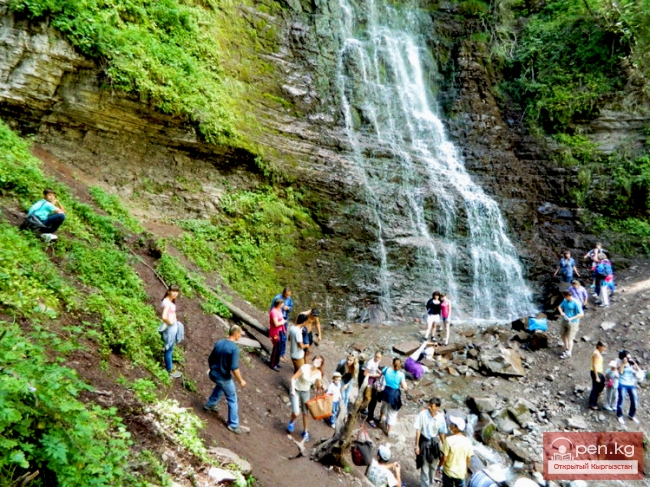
[435, 227]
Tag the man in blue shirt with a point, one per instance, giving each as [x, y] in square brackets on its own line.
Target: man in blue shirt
[566, 267]
[224, 363]
[571, 312]
[50, 212]
[285, 296]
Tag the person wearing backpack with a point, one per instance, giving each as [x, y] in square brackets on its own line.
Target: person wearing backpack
[604, 280]
[45, 216]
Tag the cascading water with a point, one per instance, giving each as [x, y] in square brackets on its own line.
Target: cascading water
[435, 227]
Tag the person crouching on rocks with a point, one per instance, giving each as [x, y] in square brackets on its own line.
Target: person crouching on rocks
[301, 384]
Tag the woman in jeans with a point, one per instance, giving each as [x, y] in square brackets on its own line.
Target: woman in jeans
[391, 397]
[373, 374]
[171, 330]
[349, 370]
[301, 384]
[628, 371]
[597, 376]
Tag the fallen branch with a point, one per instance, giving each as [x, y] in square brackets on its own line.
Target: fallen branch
[301, 447]
[152, 269]
[333, 450]
[26, 478]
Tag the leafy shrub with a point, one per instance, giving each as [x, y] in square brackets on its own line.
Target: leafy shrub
[256, 231]
[29, 282]
[113, 206]
[44, 426]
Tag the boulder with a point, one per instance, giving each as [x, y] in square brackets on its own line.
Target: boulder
[449, 349]
[502, 361]
[538, 340]
[487, 432]
[482, 404]
[248, 342]
[521, 414]
[221, 475]
[516, 450]
[504, 423]
[227, 457]
[520, 324]
[407, 348]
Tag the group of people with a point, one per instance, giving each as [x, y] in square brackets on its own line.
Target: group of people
[602, 274]
[438, 314]
[618, 380]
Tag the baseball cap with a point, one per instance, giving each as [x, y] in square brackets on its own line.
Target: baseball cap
[458, 421]
[384, 452]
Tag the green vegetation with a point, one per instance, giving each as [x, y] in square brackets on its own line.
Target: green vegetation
[89, 280]
[194, 59]
[256, 231]
[113, 206]
[43, 424]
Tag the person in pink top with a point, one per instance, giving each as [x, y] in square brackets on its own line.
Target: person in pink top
[445, 312]
[276, 325]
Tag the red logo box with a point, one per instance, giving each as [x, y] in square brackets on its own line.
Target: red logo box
[601, 455]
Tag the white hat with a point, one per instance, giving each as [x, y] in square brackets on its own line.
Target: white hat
[384, 452]
[613, 364]
[458, 421]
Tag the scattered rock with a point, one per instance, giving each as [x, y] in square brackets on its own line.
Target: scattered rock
[453, 371]
[225, 456]
[482, 404]
[407, 348]
[538, 340]
[607, 325]
[504, 423]
[448, 349]
[519, 411]
[577, 422]
[516, 450]
[221, 475]
[502, 361]
[550, 378]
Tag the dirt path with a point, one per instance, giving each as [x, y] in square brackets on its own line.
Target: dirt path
[262, 405]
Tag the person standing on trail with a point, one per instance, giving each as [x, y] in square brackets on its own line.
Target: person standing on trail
[430, 434]
[571, 312]
[373, 373]
[171, 330]
[287, 307]
[445, 311]
[49, 212]
[297, 347]
[604, 280]
[301, 383]
[457, 453]
[349, 370]
[391, 396]
[579, 293]
[597, 376]
[611, 386]
[628, 374]
[224, 363]
[566, 267]
[309, 319]
[276, 325]
[434, 310]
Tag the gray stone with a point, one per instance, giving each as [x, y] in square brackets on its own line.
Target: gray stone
[248, 342]
[221, 475]
[502, 361]
[407, 348]
[607, 325]
[482, 404]
[577, 422]
[227, 457]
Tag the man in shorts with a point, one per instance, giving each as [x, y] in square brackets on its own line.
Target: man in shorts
[297, 347]
[571, 312]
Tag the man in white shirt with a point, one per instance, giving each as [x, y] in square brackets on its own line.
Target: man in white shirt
[297, 347]
[430, 433]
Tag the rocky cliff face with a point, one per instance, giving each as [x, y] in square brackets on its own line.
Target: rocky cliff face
[48, 90]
